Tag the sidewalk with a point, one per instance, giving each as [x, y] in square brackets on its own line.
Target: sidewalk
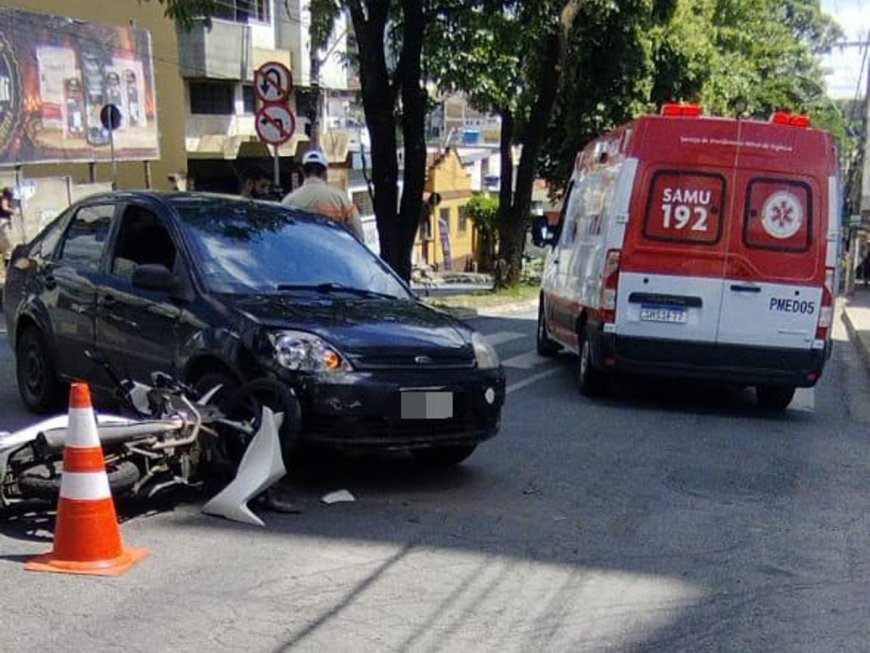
[856, 316]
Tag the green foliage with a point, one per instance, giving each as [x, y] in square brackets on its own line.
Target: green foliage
[323, 15]
[483, 209]
[185, 12]
[629, 59]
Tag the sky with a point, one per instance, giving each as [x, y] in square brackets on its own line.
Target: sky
[843, 65]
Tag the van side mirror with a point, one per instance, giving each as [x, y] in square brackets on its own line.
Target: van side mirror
[544, 235]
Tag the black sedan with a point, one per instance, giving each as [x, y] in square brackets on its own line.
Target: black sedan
[213, 289]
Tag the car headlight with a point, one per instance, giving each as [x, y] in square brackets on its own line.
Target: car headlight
[486, 357]
[305, 352]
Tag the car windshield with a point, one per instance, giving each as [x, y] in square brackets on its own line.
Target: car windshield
[245, 247]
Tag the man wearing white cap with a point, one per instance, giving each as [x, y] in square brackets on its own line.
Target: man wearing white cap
[317, 196]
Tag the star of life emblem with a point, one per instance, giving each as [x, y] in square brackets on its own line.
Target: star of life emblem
[782, 215]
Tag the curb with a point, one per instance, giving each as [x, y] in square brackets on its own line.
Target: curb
[862, 347]
[466, 313]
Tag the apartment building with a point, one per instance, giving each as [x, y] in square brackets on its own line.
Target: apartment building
[217, 63]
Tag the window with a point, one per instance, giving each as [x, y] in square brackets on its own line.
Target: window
[779, 215]
[243, 11]
[142, 240]
[212, 98]
[463, 220]
[86, 237]
[685, 207]
[249, 99]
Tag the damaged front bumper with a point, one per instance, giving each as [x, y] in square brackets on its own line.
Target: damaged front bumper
[364, 410]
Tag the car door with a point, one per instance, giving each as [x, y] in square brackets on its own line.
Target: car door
[137, 329]
[71, 281]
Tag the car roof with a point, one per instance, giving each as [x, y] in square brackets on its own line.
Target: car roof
[199, 199]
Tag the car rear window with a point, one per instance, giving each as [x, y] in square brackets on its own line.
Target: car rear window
[685, 207]
[779, 215]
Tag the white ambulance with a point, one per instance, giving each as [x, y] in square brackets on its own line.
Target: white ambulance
[697, 247]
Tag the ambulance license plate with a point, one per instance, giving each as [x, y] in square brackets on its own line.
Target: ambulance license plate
[427, 405]
[669, 314]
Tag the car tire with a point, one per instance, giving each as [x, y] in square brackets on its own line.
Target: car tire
[774, 397]
[444, 456]
[544, 345]
[245, 403]
[39, 482]
[38, 385]
[591, 381]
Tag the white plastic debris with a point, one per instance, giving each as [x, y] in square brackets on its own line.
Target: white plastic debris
[260, 468]
[340, 496]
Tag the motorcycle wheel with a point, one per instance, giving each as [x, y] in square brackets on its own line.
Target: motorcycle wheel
[43, 482]
[244, 403]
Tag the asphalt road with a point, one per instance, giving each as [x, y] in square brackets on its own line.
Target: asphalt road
[669, 517]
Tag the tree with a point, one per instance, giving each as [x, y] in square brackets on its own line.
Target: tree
[393, 98]
[507, 58]
[626, 61]
[483, 211]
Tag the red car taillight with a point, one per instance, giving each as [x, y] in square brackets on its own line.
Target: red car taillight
[609, 285]
[826, 314]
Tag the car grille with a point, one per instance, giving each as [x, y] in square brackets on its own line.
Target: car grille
[413, 362]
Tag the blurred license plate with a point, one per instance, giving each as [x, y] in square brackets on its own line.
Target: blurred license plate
[427, 405]
[670, 314]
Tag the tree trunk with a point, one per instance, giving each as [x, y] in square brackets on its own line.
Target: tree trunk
[513, 229]
[505, 192]
[413, 132]
[379, 105]
[314, 116]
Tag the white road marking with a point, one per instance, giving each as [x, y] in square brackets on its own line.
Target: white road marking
[526, 361]
[502, 337]
[519, 385]
[804, 400]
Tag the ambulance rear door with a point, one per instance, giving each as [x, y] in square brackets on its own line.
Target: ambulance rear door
[775, 272]
[673, 259]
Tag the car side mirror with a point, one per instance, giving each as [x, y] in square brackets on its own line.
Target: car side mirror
[543, 235]
[153, 277]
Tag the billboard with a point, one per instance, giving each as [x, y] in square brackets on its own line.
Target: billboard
[57, 73]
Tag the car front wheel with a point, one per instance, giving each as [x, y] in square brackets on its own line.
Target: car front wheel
[38, 385]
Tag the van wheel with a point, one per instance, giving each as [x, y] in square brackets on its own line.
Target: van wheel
[544, 345]
[774, 397]
[591, 381]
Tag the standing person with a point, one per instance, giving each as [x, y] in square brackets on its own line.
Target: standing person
[319, 197]
[7, 212]
[256, 186]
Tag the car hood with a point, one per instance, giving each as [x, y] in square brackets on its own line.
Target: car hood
[376, 332]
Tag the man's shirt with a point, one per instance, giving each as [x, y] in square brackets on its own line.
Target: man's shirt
[319, 197]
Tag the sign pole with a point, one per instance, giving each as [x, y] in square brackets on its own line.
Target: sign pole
[114, 163]
[277, 179]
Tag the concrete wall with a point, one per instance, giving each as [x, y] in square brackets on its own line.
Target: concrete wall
[168, 88]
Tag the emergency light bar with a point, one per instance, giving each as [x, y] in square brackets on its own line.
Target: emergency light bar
[682, 109]
[790, 119]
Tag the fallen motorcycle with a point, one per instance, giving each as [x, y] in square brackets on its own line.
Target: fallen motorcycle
[170, 437]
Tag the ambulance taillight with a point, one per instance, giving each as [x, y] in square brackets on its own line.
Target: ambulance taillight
[609, 285]
[826, 315]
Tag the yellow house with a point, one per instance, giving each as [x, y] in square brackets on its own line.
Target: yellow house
[64, 84]
[446, 240]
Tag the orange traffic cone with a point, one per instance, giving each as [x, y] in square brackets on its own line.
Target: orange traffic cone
[87, 539]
